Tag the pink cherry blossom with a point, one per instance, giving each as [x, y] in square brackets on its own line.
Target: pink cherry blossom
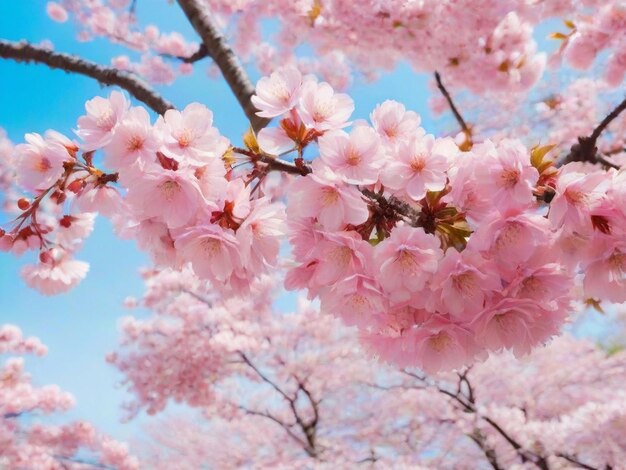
[278, 93]
[323, 109]
[420, 166]
[212, 251]
[394, 123]
[513, 240]
[56, 12]
[605, 278]
[355, 157]
[406, 261]
[516, 324]
[39, 162]
[55, 276]
[173, 196]
[334, 204]
[260, 233]
[463, 284]
[506, 174]
[577, 194]
[133, 142]
[103, 115]
[189, 135]
[356, 299]
[274, 140]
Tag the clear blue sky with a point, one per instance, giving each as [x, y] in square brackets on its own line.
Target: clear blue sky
[81, 327]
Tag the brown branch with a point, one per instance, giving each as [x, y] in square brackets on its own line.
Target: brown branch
[469, 407]
[24, 52]
[200, 54]
[200, 18]
[282, 424]
[308, 429]
[264, 377]
[586, 149]
[490, 454]
[607, 120]
[576, 462]
[464, 127]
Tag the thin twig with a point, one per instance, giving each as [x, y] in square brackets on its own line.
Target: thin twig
[464, 127]
[24, 52]
[200, 54]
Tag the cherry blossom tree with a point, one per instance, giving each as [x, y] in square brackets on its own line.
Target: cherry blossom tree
[296, 391]
[27, 443]
[463, 252]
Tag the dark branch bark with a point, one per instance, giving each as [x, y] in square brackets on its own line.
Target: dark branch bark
[25, 52]
[464, 127]
[200, 54]
[490, 454]
[573, 460]
[586, 149]
[283, 425]
[308, 429]
[224, 57]
[607, 120]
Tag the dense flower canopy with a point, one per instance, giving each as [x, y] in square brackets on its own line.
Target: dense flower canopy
[437, 270]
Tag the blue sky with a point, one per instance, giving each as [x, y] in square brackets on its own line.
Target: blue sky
[80, 327]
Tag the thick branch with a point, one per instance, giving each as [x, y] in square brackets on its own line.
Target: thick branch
[224, 57]
[24, 52]
[464, 127]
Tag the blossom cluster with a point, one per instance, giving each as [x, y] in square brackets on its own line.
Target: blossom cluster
[176, 195]
[238, 362]
[491, 50]
[47, 174]
[438, 251]
[37, 445]
[438, 255]
[590, 34]
[115, 20]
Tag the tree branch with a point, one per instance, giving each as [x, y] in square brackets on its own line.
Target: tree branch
[464, 127]
[283, 425]
[224, 57]
[481, 441]
[200, 54]
[24, 52]
[586, 149]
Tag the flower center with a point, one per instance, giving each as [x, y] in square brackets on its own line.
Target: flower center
[329, 196]
[169, 189]
[440, 341]
[106, 120]
[134, 143]
[42, 165]
[211, 246]
[509, 178]
[464, 283]
[185, 138]
[418, 163]
[353, 158]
